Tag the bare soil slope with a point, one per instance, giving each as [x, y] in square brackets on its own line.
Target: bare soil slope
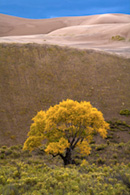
[35, 77]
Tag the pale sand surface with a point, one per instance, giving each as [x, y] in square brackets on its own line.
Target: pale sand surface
[87, 32]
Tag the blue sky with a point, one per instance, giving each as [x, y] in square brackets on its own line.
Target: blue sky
[57, 8]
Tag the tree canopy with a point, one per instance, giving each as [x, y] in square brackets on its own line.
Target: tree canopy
[64, 127]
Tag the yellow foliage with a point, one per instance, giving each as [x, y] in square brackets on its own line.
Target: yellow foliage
[84, 163]
[57, 147]
[32, 142]
[84, 147]
[38, 127]
[67, 124]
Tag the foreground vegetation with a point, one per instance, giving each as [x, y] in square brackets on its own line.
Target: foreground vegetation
[24, 173]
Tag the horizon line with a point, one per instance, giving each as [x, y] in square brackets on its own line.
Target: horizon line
[53, 17]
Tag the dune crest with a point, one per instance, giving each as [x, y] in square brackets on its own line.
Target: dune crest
[85, 32]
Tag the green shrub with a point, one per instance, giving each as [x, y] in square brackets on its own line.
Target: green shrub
[10, 190]
[30, 181]
[2, 156]
[121, 145]
[15, 154]
[15, 147]
[118, 38]
[2, 180]
[4, 147]
[8, 152]
[114, 155]
[101, 147]
[100, 161]
[109, 137]
[125, 112]
[126, 179]
[72, 180]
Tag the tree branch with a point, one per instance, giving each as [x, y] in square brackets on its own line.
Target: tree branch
[73, 140]
[76, 142]
[54, 155]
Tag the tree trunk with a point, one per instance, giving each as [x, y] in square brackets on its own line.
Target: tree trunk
[68, 158]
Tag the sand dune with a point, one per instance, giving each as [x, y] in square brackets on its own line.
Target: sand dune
[10, 25]
[97, 31]
[108, 18]
[86, 32]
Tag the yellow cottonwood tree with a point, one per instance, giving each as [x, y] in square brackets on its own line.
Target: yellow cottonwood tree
[64, 127]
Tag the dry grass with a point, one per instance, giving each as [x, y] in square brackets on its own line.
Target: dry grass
[33, 77]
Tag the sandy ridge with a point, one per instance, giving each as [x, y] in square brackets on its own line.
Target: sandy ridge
[86, 32]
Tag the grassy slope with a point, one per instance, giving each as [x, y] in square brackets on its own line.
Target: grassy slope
[33, 77]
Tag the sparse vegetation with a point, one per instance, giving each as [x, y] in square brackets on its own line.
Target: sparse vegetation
[125, 112]
[34, 77]
[118, 38]
[101, 147]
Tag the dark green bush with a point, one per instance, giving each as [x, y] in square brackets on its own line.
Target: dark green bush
[16, 154]
[100, 161]
[31, 181]
[101, 147]
[2, 156]
[8, 152]
[125, 112]
[10, 190]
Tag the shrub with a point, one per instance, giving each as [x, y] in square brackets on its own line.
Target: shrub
[101, 147]
[118, 38]
[100, 161]
[8, 152]
[72, 180]
[10, 190]
[2, 156]
[31, 181]
[114, 155]
[4, 147]
[2, 180]
[15, 154]
[126, 180]
[125, 112]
